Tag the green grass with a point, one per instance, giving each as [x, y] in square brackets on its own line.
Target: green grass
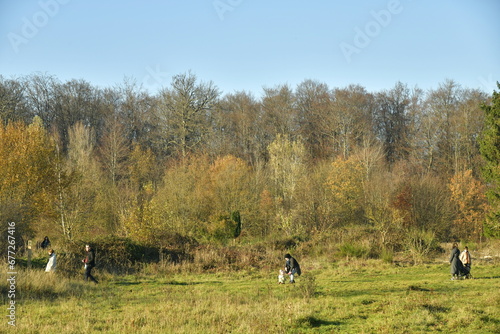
[359, 296]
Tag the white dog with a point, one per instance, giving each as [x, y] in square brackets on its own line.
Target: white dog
[281, 277]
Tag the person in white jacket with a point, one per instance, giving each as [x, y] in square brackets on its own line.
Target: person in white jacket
[466, 260]
[51, 264]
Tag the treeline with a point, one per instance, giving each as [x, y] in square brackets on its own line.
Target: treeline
[78, 161]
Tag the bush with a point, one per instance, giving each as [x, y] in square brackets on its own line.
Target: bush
[353, 250]
[217, 258]
[113, 254]
[308, 286]
[116, 254]
[419, 244]
[36, 284]
[284, 244]
[387, 255]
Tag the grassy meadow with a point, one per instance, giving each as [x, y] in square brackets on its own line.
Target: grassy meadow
[345, 296]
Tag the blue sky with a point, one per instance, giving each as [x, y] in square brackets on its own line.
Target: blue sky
[247, 45]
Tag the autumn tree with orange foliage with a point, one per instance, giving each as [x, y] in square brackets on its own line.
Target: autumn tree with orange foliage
[346, 184]
[287, 165]
[27, 182]
[468, 196]
[231, 192]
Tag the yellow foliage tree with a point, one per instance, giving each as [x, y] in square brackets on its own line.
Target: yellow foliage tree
[467, 193]
[231, 192]
[267, 213]
[143, 222]
[141, 218]
[229, 178]
[287, 161]
[27, 183]
[288, 167]
[346, 184]
[184, 198]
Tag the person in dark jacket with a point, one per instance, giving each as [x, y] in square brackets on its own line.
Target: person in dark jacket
[89, 262]
[292, 267]
[45, 243]
[456, 264]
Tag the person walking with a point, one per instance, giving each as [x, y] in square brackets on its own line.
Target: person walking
[89, 262]
[51, 264]
[292, 267]
[466, 261]
[456, 268]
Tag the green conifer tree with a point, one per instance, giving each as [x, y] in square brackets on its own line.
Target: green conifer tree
[490, 150]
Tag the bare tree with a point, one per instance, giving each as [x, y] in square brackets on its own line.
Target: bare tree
[12, 102]
[279, 115]
[135, 108]
[185, 112]
[443, 103]
[313, 105]
[114, 149]
[40, 94]
[393, 122]
[236, 130]
[351, 117]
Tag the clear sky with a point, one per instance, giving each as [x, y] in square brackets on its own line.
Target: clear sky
[251, 44]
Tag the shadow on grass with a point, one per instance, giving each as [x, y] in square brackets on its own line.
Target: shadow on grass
[436, 308]
[45, 292]
[490, 319]
[126, 283]
[129, 283]
[191, 283]
[365, 292]
[417, 288]
[314, 322]
[490, 277]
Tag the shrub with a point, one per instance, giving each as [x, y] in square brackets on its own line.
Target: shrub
[35, 284]
[419, 244]
[387, 255]
[353, 250]
[113, 254]
[308, 286]
[284, 244]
